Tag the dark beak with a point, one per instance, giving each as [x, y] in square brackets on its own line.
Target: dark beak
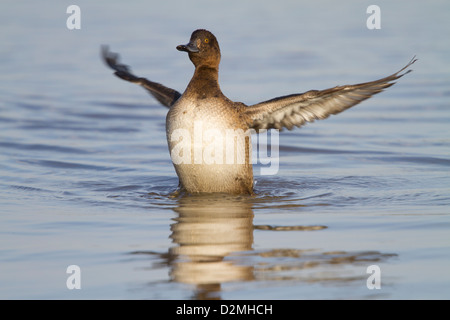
[190, 47]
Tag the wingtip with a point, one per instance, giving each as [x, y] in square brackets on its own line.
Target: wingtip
[104, 50]
[112, 60]
[107, 56]
[400, 74]
[412, 61]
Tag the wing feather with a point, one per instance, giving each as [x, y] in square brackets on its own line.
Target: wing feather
[297, 109]
[164, 95]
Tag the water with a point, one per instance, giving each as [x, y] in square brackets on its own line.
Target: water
[86, 178]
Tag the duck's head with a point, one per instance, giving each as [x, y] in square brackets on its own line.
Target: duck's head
[203, 49]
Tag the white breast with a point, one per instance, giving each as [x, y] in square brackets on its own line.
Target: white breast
[209, 148]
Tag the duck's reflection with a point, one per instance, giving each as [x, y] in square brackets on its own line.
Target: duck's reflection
[206, 231]
[212, 239]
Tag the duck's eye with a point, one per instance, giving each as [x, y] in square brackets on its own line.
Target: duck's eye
[206, 40]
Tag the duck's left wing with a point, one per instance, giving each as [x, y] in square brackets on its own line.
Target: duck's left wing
[297, 109]
[164, 95]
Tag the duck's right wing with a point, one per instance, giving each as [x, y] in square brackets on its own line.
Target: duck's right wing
[164, 95]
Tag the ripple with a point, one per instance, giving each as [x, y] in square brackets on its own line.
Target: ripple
[74, 126]
[42, 147]
[29, 189]
[288, 228]
[418, 160]
[67, 165]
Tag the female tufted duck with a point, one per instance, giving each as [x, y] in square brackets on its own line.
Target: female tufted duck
[209, 135]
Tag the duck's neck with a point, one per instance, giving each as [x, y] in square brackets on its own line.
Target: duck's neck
[204, 83]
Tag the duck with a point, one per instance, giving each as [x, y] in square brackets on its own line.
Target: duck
[209, 135]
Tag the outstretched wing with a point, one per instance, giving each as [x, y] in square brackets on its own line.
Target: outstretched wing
[164, 95]
[297, 109]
